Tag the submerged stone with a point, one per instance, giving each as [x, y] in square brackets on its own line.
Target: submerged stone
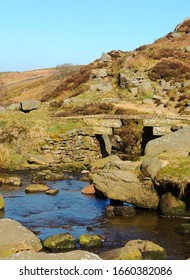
[52, 192]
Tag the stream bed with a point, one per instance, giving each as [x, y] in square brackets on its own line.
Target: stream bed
[76, 213]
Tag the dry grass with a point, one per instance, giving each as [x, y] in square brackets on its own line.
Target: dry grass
[4, 155]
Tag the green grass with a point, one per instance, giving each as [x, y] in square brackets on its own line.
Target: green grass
[178, 167]
[64, 126]
[22, 134]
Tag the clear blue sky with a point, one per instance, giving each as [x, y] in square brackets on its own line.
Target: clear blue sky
[45, 33]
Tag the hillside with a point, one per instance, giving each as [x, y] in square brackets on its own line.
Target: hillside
[154, 78]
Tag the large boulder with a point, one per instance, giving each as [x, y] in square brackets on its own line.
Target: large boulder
[176, 142]
[73, 255]
[125, 186]
[124, 253]
[29, 105]
[15, 238]
[136, 250]
[148, 249]
[2, 203]
[100, 163]
[152, 165]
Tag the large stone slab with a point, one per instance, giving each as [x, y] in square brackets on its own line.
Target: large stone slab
[175, 142]
[14, 238]
[125, 186]
[74, 255]
[114, 123]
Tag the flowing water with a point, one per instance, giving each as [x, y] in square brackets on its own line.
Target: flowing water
[76, 213]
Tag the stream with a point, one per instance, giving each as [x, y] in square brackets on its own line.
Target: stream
[76, 213]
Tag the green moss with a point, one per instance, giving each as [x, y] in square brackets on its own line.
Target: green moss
[177, 170]
[90, 240]
[154, 255]
[60, 242]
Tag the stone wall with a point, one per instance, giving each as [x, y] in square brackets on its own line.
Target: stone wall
[76, 145]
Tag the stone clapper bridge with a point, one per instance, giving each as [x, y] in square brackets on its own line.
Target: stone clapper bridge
[104, 127]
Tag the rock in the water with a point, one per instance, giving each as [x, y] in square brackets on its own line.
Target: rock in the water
[88, 190]
[52, 192]
[125, 186]
[35, 188]
[176, 142]
[15, 238]
[30, 105]
[2, 203]
[90, 240]
[60, 242]
[124, 253]
[185, 228]
[12, 181]
[148, 249]
[172, 206]
[73, 255]
[124, 211]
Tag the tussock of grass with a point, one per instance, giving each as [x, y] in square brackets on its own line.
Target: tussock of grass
[177, 171]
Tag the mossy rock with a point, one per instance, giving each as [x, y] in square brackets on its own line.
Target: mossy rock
[60, 242]
[185, 228]
[173, 206]
[2, 203]
[90, 240]
[148, 249]
[35, 188]
[124, 253]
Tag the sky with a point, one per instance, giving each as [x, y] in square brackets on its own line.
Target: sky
[45, 33]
